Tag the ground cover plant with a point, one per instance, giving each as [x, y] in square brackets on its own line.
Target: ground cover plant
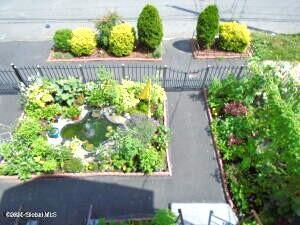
[161, 217]
[113, 37]
[276, 46]
[138, 145]
[256, 124]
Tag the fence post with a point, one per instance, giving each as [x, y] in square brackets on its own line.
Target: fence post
[82, 73]
[123, 71]
[164, 76]
[205, 76]
[184, 79]
[240, 71]
[17, 72]
[39, 70]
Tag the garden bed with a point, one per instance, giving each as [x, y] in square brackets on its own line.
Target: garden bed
[101, 55]
[257, 156]
[136, 145]
[215, 53]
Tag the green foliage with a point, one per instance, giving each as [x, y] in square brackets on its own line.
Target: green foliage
[234, 37]
[276, 46]
[150, 29]
[161, 138]
[143, 130]
[164, 217]
[157, 53]
[40, 93]
[62, 39]
[208, 26]
[73, 165]
[71, 112]
[48, 112]
[263, 167]
[104, 27]
[151, 160]
[122, 39]
[83, 41]
[68, 90]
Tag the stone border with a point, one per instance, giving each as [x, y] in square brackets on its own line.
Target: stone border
[217, 54]
[226, 191]
[89, 59]
[166, 173]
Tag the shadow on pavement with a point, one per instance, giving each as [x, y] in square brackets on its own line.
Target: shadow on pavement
[70, 198]
[183, 45]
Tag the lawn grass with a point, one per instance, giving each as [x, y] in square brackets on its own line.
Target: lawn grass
[285, 47]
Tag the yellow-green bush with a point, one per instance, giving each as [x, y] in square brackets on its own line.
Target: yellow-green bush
[83, 41]
[122, 39]
[234, 37]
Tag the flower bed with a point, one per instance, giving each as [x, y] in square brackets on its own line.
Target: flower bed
[136, 145]
[219, 40]
[256, 131]
[113, 40]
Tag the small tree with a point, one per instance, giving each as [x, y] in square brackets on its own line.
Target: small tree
[150, 29]
[208, 26]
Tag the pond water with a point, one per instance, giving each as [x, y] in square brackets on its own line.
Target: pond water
[88, 129]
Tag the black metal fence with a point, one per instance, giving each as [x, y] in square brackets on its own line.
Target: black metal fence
[169, 78]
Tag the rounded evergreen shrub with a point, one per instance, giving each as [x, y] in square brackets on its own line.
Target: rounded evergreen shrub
[207, 26]
[83, 41]
[150, 28]
[62, 39]
[122, 39]
[234, 37]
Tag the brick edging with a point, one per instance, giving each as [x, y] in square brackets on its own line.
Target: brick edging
[232, 56]
[92, 174]
[218, 157]
[89, 59]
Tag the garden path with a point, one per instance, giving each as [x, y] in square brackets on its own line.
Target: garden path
[195, 177]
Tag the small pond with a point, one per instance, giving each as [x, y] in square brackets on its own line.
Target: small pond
[88, 129]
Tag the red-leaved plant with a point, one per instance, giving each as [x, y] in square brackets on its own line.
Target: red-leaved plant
[235, 109]
[233, 140]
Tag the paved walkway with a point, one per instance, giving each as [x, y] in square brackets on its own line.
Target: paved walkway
[195, 177]
[177, 54]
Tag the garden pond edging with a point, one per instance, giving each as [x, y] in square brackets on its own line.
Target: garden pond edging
[168, 171]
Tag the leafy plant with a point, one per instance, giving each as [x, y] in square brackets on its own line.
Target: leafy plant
[161, 138]
[122, 39]
[83, 41]
[48, 113]
[150, 160]
[164, 217]
[104, 27]
[71, 112]
[234, 37]
[68, 90]
[150, 29]
[62, 39]
[73, 165]
[208, 26]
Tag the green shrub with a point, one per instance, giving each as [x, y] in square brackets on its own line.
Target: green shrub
[151, 160]
[121, 41]
[73, 165]
[83, 41]
[234, 37]
[104, 27]
[207, 26]
[47, 113]
[62, 39]
[71, 112]
[164, 217]
[150, 29]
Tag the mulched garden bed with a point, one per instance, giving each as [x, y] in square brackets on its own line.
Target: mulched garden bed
[214, 53]
[101, 55]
